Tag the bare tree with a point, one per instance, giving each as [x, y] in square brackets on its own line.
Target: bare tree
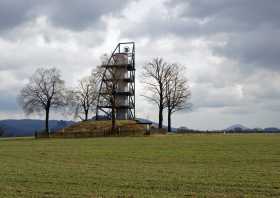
[84, 98]
[44, 91]
[111, 80]
[106, 74]
[177, 92]
[155, 76]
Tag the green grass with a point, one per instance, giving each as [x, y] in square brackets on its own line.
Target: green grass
[159, 166]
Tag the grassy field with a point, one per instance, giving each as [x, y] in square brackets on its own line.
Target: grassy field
[159, 166]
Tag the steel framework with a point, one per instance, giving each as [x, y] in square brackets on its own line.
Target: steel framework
[119, 75]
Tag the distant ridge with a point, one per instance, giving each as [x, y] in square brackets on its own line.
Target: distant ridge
[271, 129]
[237, 127]
[27, 127]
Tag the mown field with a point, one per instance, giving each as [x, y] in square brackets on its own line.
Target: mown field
[158, 166]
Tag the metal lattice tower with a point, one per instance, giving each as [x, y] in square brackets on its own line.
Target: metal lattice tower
[118, 80]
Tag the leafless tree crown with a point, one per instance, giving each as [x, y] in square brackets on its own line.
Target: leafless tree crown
[177, 90]
[84, 98]
[154, 76]
[45, 88]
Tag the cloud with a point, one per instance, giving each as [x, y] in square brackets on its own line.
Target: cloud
[242, 31]
[15, 12]
[249, 29]
[253, 49]
[238, 15]
[79, 15]
[70, 14]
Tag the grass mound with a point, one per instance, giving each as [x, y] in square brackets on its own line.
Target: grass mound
[94, 128]
[93, 125]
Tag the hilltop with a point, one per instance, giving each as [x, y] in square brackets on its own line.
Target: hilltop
[101, 128]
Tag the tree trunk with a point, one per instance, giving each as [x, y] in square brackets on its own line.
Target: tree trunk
[47, 121]
[169, 120]
[113, 120]
[86, 115]
[113, 114]
[160, 117]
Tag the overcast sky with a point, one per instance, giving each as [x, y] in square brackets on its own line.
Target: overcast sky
[231, 49]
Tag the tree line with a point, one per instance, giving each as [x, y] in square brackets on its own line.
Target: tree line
[165, 85]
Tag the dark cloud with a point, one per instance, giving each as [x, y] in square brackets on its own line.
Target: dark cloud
[15, 12]
[251, 28]
[248, 29]
[254, 49]
[225, 13]
[80, 14]
[205, 18]
[70, 14]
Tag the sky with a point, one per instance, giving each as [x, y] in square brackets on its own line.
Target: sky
[231, 50]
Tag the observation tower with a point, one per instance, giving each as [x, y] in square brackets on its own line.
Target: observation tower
[117, 88]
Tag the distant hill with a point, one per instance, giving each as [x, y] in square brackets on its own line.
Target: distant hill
[27, 127]
[237, 127]
[271, 129]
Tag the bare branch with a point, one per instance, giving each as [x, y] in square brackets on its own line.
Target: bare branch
[83, 99]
